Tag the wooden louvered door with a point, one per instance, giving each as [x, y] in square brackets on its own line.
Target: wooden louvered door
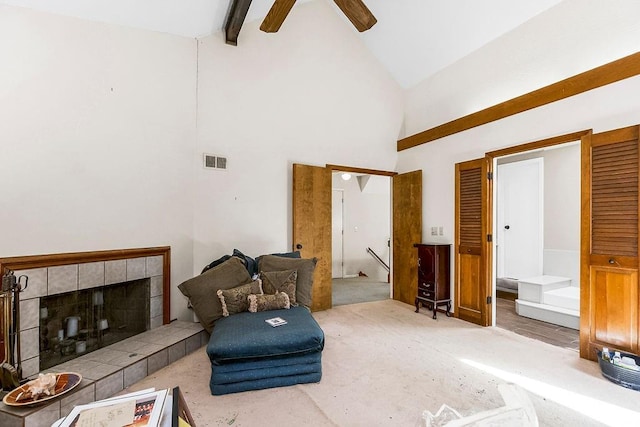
[609, 254]
[472, 260]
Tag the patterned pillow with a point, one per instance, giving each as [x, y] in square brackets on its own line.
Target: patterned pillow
[234, 300]
[280, 281]
[305, 268]
[268, 302]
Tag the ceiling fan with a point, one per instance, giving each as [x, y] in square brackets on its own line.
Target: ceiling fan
[357, 12]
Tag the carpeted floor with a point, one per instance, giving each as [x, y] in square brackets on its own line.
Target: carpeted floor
[383, 364]
[358, 289]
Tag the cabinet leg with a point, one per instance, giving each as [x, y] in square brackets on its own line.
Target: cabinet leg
[448, 312]
[417, 303]
[435, 311]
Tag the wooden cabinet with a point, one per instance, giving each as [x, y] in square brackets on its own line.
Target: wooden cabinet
[434, 285]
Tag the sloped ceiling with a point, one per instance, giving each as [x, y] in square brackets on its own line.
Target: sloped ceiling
[413, 38]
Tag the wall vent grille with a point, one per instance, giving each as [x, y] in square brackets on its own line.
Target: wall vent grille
[214, 162]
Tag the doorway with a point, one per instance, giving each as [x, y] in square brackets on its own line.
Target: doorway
[361, 230]
[537, 244]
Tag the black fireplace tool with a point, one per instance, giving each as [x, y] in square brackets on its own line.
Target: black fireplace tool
[10, 369]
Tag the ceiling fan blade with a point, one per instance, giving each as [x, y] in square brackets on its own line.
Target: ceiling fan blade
[276, 15]
[358, 13]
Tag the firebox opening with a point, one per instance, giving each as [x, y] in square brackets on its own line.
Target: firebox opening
[75, 323]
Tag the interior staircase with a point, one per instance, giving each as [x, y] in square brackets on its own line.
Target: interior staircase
[551, 299]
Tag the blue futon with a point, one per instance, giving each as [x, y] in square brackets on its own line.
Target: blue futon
[247, 353]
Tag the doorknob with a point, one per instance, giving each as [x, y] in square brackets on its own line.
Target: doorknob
[298, 246]
[506, 227]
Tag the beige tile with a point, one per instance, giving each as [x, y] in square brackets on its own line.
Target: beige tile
[177, 351]
[8, 420]
[156, 322]
[37, 285]
[29, 343]
[135, 372]
[30, 367]
[192, 343]
[136, 268]
[154, 265]
[204, 337]
[104, 355]
[128, 359]
[110, 385]
[63, 278]
[90, 275]
[186, 325]
[44, 417]
[155, 306]
[115, 271]
[101, 371]
[84, 393]
[29, 313]
[157, 361]
[156, 286]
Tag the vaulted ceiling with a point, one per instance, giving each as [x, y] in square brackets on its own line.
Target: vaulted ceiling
[413, 39]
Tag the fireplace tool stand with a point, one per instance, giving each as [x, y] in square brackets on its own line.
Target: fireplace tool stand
[10, 369]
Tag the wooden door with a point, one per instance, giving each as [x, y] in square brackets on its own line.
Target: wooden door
[472, 248]
[609, 234]
[311, 201]
[407, 231]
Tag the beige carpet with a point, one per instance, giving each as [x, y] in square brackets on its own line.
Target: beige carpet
[383, 365]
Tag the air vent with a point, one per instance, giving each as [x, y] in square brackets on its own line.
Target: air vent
[214, 162]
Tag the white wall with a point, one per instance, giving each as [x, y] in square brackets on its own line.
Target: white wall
[367, 223]
[310, 93]
[562, 198]
[570, 38]
[97, 136]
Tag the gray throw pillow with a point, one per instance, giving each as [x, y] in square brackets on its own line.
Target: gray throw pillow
[201, 290]
[305, 268]
[280, 281]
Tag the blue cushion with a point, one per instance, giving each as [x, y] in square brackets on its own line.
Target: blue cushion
[219, 389]
[262, 369]
[246, 336]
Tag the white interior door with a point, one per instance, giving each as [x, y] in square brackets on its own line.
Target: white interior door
[337, 233]
[520, 222]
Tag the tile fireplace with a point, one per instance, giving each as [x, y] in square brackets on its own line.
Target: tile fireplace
[79, 302]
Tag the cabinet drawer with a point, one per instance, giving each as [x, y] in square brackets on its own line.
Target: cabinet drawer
[426, 294]
[426, 286]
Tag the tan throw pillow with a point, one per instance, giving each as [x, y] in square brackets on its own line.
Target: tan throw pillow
[280, 281]
[201, 290]
[268, 302]
[234, 300]
[305, 268]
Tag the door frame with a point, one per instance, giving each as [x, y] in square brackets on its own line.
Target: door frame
[333, 257]
[492, 156]
[352, 169]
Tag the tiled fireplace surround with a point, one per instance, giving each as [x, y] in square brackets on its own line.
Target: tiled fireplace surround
[110, 369]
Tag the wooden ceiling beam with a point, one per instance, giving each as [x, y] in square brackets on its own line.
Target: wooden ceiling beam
[358, 13]
[276, 16]
[603, 75]
[235, 18]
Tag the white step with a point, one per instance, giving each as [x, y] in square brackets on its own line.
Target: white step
[567, 297]
[548, 313]
[533, 288]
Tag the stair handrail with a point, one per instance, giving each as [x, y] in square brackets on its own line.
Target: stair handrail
[377, 258]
